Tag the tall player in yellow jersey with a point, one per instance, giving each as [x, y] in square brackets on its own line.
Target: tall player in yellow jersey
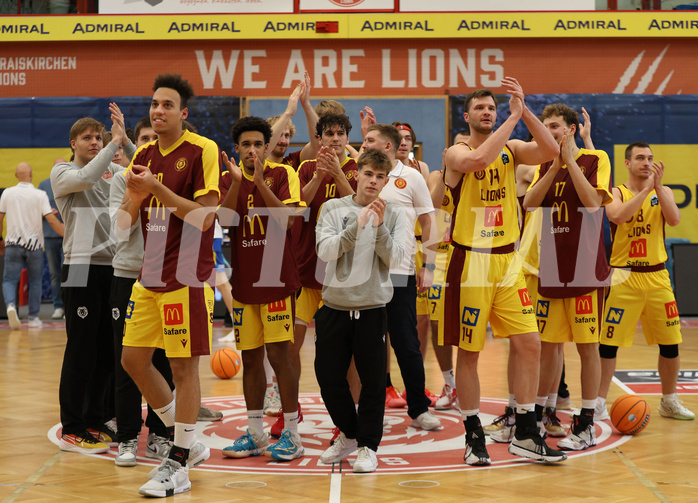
[483, 276]
[639, 210]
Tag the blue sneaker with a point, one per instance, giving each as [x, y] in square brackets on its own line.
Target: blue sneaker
[246, 446]
[287, 448]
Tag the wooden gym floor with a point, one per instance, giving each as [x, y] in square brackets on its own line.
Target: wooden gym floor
[656, 465]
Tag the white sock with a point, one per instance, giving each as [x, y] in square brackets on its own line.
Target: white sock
[552, 401]
[670, 397]
[291, 422]
[600, 401]
[185, 436]
[466, 413]
[523, 408]
[255, 422]
[541, 400]
[512, 400]
[167, 414]
[449, 378]
[589, 404]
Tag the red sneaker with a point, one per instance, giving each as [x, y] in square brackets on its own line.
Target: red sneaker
[278, 425]
[393, 398]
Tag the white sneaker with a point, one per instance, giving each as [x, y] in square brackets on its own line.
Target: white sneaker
[426, 421]
[579, 439]
[58, 313]
[339, 450]
[366, 461]
[272, 401]
[34, 323]
[172, 478]
[504, 436]
[157, 447]
[15, 324]
[675, 410]
[228, 338]
[600, 411]
[127, 453]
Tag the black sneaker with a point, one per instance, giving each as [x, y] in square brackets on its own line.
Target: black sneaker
[531, 445]
[475, 449]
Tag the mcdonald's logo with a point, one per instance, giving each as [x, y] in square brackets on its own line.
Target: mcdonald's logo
[542, 308]
[470, 316]
[583, 304]
[156, 205]
[638, 248]
[237, 316]
[250, 220]
[560, 209]
[614, 315]
[525, 297]
[278, 306]
[434, 293]
[174, 314]
[671, 310]
[493, 216]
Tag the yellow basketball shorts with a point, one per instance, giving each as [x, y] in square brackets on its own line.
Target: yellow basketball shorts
[646, 296]
[307, 304]
[571, 319]
[259, 324]
[482, 287]
[180, 322]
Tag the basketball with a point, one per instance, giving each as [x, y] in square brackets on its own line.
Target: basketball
[630, 414]
[225, 363]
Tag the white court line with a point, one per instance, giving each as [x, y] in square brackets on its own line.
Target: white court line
[336, 487]
[623, 386]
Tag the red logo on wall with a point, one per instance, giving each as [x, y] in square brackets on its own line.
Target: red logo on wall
[346, 3]
[583, 304]
[493, 216]
[671, 310]
[525, 297]
[174, 314]
[638, 248]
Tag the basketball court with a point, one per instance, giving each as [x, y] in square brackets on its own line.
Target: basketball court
[656, 465]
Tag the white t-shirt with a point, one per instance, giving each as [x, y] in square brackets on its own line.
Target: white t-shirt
[406, 187]
[24, 207]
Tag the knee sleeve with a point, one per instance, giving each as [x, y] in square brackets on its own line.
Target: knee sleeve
[669, 350]
[608, 352]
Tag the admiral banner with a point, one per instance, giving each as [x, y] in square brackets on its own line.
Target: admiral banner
[470, 25]
[679, 175]
[356, 68]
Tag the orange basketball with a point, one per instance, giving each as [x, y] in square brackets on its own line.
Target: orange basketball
[630, 414]
[225, 363]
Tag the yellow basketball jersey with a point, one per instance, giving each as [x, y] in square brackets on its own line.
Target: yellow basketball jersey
[639, 242]
[443, 228]
[485, 214]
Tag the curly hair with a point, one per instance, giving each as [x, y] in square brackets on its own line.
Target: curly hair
[251, 123]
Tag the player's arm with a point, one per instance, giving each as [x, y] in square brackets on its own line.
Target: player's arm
[311, 148]
[390, 235]
[670, 210]
[585, 131]
[281, 211]
[437, 187]
[540, 186]
[368, 118]
[463, 160]
[544, 149]
[311, 186]
[590, 197]
[278, 129]
[55, 224]
[619, 211]
[425, 277]
[231, 198]
[2, 241]
[328, 158]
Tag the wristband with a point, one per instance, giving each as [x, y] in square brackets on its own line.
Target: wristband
[429, 267]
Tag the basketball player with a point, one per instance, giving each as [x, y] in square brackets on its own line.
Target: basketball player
[570, 295]
[265, 279]
[640, 209]
[484, 279]
[173, 185]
